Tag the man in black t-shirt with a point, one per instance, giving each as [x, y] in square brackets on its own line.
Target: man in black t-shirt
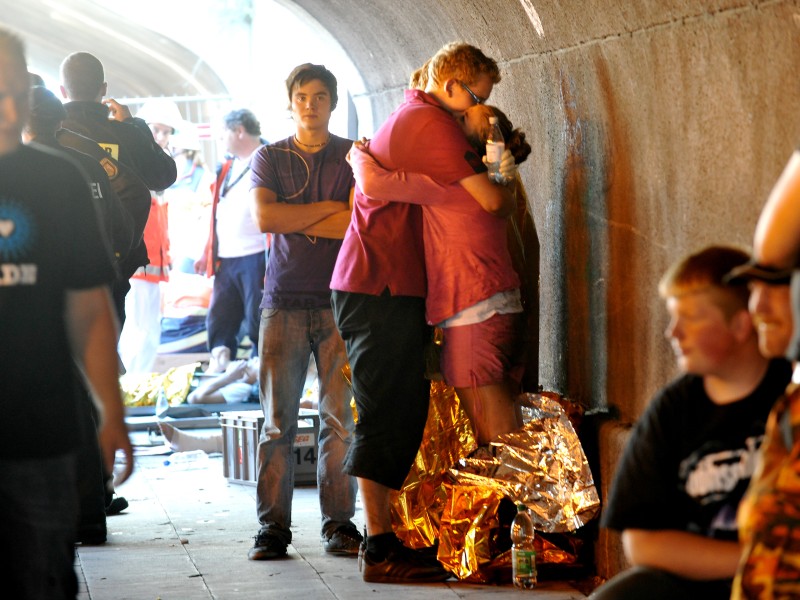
[690, 457]
[54, 306]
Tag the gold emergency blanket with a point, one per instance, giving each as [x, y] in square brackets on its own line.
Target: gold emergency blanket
[542, 465]
[418, 506]
[143, 390]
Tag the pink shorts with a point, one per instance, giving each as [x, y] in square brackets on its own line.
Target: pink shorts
[483, 353]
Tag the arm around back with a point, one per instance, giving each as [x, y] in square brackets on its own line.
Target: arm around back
[387, 185]
[494, 198]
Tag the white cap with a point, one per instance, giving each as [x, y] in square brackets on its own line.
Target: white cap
[163, 111]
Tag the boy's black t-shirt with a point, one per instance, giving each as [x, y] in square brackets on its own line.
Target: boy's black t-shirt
[688, 461]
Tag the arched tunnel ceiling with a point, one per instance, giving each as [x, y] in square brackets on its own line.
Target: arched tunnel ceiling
[138, 62]
[385, 39]
[388, 39]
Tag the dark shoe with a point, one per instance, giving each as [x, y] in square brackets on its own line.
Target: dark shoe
[344, 540]
[401, 565]
[116, 506]
[266, 547]
[92, 535]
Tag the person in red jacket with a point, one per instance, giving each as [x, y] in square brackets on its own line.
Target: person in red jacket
[141, 335]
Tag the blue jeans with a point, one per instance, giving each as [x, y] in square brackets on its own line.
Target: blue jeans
[38, 519]
[238, 288]
[287, 339]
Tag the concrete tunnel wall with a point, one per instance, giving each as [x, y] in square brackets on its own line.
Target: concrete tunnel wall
[657, 126]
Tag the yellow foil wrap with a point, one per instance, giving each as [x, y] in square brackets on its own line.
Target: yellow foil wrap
[542, 465]
[418, 506]
[468, 538]
[455, 500]
[475, 541]
[143, 390]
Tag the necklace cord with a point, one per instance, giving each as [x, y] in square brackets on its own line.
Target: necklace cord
[312, 145]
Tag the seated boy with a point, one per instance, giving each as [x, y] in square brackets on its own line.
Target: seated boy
[691, 455]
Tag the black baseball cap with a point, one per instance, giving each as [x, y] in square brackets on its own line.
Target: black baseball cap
[752, 270]
[45, 105]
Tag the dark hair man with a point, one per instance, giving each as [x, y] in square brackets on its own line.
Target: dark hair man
[301, 189]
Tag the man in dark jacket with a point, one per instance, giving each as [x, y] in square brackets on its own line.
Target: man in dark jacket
[125, 138]
[46, 116]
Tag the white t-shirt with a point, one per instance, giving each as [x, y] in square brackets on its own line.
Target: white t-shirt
[237, 234]
[501, 303]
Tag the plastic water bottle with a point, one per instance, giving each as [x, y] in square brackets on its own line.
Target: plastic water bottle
[495, 146]
[184, 461]
[162, 404]
[523, 552]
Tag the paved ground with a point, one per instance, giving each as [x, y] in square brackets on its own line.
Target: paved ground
[186, 534]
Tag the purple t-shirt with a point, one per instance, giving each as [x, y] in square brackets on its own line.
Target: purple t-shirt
[299, 268]
[383, 244]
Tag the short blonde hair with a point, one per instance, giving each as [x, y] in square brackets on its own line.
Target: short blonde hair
[461, 61]
[705, 271]
[419, 78]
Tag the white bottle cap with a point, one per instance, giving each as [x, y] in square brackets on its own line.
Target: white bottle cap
[492, 120]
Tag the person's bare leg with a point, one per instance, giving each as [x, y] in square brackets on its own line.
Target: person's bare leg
[491, 410]
[375, 498]
[386, 559]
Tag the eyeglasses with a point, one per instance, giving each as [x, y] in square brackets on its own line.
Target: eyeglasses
[477, 99]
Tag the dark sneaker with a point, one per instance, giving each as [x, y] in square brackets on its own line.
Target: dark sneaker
[266, 547]
[92, 534]
[116, 506]
[401, 565]
[345, 541]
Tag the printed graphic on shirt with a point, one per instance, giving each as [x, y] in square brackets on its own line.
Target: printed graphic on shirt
[17, 236]
[711, 475]
[294, 175]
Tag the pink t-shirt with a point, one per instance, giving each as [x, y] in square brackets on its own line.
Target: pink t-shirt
[383, 244]
[466, 253]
